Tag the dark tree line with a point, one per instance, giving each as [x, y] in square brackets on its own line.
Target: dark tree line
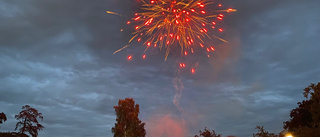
[263, 133]
[305, 119]
[304, 122]
[207, 133]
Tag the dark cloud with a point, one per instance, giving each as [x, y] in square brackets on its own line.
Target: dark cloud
[57, 57]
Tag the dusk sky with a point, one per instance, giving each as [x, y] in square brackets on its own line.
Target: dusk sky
[57, 56]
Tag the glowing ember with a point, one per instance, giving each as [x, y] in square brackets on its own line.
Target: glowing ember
[193, 70]
[182, 65]
[129, 57]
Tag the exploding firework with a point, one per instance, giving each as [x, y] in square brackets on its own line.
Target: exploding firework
[187, 23]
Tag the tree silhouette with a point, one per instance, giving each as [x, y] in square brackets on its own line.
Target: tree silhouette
[207, 133]
[305, 119]
[3, 117]
[128, 123]
[29, 121]
[263, 133]
[12, 134]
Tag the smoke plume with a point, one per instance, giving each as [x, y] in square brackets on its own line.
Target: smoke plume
[178, 85]
[166, 126]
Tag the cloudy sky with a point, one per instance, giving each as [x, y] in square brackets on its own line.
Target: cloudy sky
[56, 56]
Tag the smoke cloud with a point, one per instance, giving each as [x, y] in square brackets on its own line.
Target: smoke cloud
[166, 126]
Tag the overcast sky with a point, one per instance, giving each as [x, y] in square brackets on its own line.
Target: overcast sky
[56, 56]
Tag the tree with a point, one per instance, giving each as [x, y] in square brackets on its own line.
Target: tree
[305, 119]
[207, 133]
[12, 134]
[3, 117]
[263, 133]
[128, 124]
[29, 121]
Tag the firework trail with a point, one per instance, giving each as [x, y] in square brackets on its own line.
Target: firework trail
[110, 12]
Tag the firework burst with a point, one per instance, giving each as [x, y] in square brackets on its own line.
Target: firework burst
[186, 23]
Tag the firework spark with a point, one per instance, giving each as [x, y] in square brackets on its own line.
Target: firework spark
[187, 23]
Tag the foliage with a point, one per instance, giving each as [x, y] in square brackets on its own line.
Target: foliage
[300, 116]
[12, 134]
[207, 133]
[263, 133]
[3, 117]
[128, 124]
[305, 119]
[29, 120]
